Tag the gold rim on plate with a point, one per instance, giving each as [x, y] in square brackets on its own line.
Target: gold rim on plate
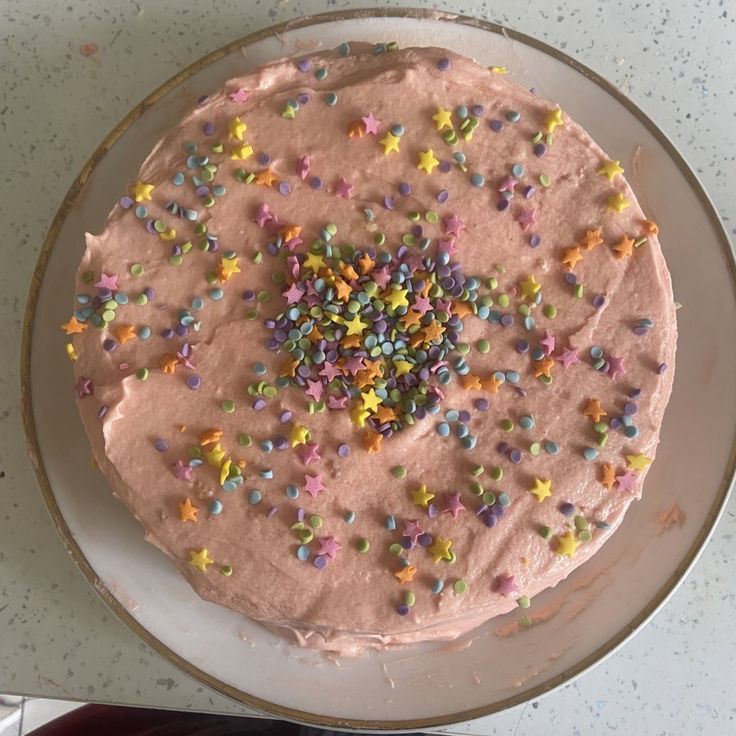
[73, 195]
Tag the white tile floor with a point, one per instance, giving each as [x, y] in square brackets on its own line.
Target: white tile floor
[20, 716]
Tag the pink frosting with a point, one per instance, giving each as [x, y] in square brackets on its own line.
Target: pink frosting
[352, 603]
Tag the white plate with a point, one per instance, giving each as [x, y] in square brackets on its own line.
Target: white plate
[591, 613]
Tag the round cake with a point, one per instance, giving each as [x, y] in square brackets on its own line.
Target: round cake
[376, 346]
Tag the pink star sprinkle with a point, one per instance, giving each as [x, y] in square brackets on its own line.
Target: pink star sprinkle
[343, 188]
[453, 226]
[293, 294]
[315, 389]
[240, 95]
[413, 531]
[453, 505]
[329, 546]
[447, 245]
[371, 124]
[313, 485]
[616, 366]
[627, 481]
[337, 402]
[83, 387]
[353, 364]
[381, 276]
[310, 453]
[330, 371]
[181, 471]
[548, 342]
[108, 282]
[527, 218]
[568, 357]
[303, 166]
[508, 184]
[505, 585]
[263, 215]
[421, 305]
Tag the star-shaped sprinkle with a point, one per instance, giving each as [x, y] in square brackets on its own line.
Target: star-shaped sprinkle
[571, 256]
[453, 505]
[343, 188]
[74, 326]
[356, 129]
[181, 470]
[355, 326]
[265, 178]
[427, 161]
[370, 400]
[240, 153]
[544, 368]
[215, 456]
[406, 574]
[624, 248]
[566, 545]
[371, 124]
[592, 239]
[508, 184]
[505, 585]
[422, 496]
[638, 462]
[608, 475]
[240, 95]
[141, 192]
[200, 559]
[397, 298]
[125, 333]
[548, 342]
[568, 357]
[616, 366]
[440, 550]
[618, 202]
[372, 442]
[527, 218]
[228, 267]
[187, 512]
[108, 282]
[330, 371]
[353, 364]
[310, 453]
[442, 118]
[313, 484]
[83, 387]
[315, 389]
[452, 225]
[298, 435]
[542, 489]
[329, 546]
[529, 287]
[611, 169]
[627, 481]
[293, 294]
[593, 410]
[236, 128]
[553, 119]
[263, 215]
[413, 531]
[390, 143]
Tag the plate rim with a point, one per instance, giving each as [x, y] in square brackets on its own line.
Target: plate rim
[32, 445]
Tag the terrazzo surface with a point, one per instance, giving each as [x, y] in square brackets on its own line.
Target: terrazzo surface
[57, 639]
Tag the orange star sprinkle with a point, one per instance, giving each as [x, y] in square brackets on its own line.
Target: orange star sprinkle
[433, 331]
[356, 129]
[343, 290]
[385, 414]
[168, 363]
[74, 326]
[571, 256]
[469, 381]
[544, 368]
[624, 248]
[367, 264]
[187, 512]
[461, 309]
[411, 318]
[406, 574]
[290, 232]
[491, 384]
[351, 341]
[592, 239]
[608, 475]
[265, 178]
[348, 272]
[594, 411]
[288, 368]
[124, 333]
[373, 442]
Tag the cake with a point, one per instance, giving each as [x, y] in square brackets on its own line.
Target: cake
[376, 346]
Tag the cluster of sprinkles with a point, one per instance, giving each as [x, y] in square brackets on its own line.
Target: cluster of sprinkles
[374, 330]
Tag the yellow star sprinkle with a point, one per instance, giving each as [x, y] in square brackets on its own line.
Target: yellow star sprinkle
[299, 435]
[442, 118]
[215, 455]
[371, 401]
[239, 153]
[440, 550]
[355, 325]
[187, 512]
[236, 128]
[529, 287]
[314, 261]
[402, 368]
[422, 497]
[566, 545]
[542, 489]
[397, 298]
[553, 119]
[611, 169]
[358, 415]
[200, 559]
[618, 202]
[390, 142]
[228, 267]
[638, 462]
[140, 191]
[427, 161]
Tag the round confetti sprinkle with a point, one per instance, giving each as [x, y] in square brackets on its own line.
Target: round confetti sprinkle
[255, 497]
[460, 587]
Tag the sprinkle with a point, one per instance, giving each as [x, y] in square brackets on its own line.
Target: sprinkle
[363, 545]
[460, 587]
[255, 497]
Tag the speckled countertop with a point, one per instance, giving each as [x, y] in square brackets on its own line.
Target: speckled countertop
[57, 639]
